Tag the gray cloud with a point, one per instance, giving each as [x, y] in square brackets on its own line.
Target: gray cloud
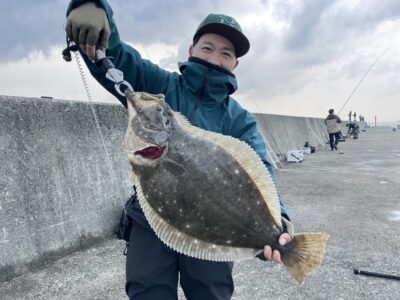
[160, 21]
[304, 23]
[29, 25]
[338, 38]
[26, 26]
[319, 33]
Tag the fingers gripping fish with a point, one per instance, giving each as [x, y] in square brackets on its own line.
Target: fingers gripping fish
[205, 194]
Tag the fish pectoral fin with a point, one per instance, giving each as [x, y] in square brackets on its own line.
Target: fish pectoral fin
[173, 167]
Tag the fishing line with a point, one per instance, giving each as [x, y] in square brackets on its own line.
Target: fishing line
[265, 139]
[319, 106]
[362, 79]
[89, 96]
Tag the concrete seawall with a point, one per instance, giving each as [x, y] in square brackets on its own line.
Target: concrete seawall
[60, 191]
[284, 133]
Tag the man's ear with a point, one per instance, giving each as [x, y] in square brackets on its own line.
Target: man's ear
[190, 50]
[237, 63]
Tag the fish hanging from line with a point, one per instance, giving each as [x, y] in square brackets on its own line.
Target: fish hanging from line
[205, 194]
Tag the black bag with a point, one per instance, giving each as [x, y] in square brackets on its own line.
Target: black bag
[307, 145]
[123, 230]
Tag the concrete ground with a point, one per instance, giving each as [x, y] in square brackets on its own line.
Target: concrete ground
[352, 194]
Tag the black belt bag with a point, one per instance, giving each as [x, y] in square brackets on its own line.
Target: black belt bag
[124, 227]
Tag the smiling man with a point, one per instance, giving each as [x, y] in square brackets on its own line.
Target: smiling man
[216, 50]
[201, 93]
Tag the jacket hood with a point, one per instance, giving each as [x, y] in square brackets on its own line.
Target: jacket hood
[212, 82]
[331, 117]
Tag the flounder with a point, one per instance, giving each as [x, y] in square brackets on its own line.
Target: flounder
[205, 194]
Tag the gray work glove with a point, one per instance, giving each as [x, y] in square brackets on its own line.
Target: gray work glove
[87, 25]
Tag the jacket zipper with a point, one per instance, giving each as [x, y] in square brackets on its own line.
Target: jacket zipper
[202, 94]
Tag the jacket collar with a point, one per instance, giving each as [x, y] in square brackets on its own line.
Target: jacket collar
[331, 117]
[213, 83]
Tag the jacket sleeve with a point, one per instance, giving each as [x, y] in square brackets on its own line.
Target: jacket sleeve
[251, 135]
[140, 73]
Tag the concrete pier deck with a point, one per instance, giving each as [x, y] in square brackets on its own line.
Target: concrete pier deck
[352, 194]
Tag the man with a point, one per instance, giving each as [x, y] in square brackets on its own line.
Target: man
[202, 93]
[351, 129]
[332, 123]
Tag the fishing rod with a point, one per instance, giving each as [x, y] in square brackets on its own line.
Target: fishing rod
[362, 79]
[374, 274]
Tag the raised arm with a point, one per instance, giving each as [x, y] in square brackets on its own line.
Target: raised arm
[90, 24]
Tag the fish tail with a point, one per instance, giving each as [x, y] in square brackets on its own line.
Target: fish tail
[304, 254]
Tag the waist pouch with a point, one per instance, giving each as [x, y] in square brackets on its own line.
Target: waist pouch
[124, 227]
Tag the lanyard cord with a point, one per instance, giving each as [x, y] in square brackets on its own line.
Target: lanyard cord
[89, 96]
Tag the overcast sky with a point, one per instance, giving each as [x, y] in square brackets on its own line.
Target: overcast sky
[306, 56]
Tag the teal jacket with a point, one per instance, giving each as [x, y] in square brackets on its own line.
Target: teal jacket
[201, 91]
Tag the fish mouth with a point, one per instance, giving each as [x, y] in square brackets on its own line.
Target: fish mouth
[152, 152]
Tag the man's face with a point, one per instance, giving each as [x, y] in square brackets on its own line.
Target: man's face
[216, 50]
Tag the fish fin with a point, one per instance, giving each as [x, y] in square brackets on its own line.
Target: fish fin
[304, 254]
[173, 167]
[132, 178]
[247, 158]
[182, 120]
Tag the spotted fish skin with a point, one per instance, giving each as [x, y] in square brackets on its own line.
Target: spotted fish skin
[209, 199]
[208, 195]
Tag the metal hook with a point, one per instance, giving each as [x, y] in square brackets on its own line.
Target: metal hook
[122, 84]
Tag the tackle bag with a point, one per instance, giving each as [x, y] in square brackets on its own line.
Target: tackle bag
[307, 148]
[295, 156]
[124, 227]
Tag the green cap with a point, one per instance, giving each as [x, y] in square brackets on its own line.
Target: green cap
[227, 27]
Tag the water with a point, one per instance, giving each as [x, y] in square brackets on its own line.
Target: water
[395, 216]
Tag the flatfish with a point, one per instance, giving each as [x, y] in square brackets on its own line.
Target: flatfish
[205, 194]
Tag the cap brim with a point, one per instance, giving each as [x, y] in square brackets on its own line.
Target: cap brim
[238, 39]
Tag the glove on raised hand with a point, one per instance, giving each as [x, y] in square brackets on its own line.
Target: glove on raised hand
[87, 25]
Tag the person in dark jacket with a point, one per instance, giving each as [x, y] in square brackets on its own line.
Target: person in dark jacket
[201, 92]
[332, 123]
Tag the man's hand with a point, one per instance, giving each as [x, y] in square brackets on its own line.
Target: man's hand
[275, 255]
[87, 25]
